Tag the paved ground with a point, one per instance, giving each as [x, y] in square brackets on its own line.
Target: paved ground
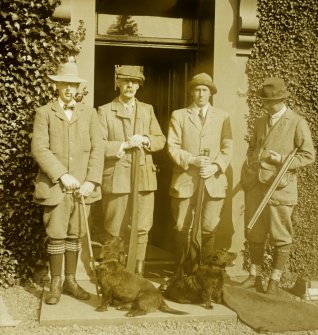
[71, 311]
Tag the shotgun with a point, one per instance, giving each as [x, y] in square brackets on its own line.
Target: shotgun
[272, 188]
[194, 254]
[91, 255]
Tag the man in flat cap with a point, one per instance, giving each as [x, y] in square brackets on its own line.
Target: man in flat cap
[127, 124]
[276, 135]
[192, 130]
[67, 145]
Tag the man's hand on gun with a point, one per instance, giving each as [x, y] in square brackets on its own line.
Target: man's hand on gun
[206, 168]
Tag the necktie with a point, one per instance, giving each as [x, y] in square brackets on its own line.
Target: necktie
[66, 107]
[201, 115]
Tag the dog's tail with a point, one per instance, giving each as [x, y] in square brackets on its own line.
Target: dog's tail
[166, 309]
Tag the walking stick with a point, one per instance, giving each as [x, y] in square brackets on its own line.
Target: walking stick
[91, 255]
[133, 206]
[272, 188]
[194, 254]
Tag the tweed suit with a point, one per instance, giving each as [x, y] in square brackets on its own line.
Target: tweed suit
[290, 132]
[118, 126]
[60, 146]
[187, 138]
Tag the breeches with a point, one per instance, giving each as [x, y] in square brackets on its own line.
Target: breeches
[117, 213]
[274, 221]
[183, 210]
[65, 220]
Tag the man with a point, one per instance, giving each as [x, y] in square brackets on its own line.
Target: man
[191, 131]
[128, 124]
[275, 136]
[67, 145]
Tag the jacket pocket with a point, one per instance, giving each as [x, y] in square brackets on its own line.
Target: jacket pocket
[268, 172]
[42, 186]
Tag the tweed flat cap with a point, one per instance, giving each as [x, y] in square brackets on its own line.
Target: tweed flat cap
[130, 72]
[203, 79]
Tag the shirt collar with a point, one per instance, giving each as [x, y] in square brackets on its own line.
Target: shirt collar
[204, 108]
[280, 113]
[129, 105]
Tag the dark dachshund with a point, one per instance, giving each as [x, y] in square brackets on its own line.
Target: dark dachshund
[205, 285]
[124, 289]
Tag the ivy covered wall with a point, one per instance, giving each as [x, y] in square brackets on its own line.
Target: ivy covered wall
[32, 44]
[287, 46]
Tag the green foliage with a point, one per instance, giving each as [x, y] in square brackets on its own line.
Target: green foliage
[287, 46]
[32, 45]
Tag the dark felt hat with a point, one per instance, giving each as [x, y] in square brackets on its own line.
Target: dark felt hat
[273, 88]
[203, 79]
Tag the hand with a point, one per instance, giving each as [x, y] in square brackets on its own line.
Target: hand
[200, 161]
[208, 170]
[69, 182]
[138, 141]
[85, 189]
[275, 157]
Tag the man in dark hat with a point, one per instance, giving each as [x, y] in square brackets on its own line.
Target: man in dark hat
[67, 145]
[127, 124]
[275, 136]
[191, 131]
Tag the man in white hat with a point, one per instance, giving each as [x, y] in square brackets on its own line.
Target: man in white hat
[275, 136]
[67, 145]
[193, 130]
[128, 123]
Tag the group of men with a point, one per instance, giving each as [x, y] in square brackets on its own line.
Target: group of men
[84, 153]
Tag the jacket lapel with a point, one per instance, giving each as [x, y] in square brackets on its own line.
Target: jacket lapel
[209, 119]
[59, 111]
[193, 116]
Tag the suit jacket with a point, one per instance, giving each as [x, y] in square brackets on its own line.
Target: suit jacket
[290, 131]
[117, 127]
[187, 138]
[61, 146]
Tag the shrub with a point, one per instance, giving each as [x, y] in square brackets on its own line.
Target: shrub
[32, 45]
[287, 46]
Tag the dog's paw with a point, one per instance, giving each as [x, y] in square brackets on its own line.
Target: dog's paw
[121, 308]
[101, 308]
[208, 306]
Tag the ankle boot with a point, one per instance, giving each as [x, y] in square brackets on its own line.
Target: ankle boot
[53, 297]
[253, 281]
[140, 265]
[71, 287]
[272, 287]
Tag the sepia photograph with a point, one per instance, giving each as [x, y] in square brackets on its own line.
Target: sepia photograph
[158, 167]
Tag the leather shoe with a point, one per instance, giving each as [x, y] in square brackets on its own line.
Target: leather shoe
[272, 287]
[53, 297]
[71, 288]
[253, 281]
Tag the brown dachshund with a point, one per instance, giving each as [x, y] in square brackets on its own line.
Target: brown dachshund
[205, 285]
[124, 289]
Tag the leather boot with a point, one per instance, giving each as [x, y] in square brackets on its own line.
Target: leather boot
[272, 287]
[140, 265]
[71, 288]
[207, 246]
[253, 281]
[53, 297]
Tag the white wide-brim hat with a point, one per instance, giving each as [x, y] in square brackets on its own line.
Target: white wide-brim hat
[67, 72]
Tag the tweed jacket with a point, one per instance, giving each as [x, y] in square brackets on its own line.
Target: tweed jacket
[187, 138]
[118, 126]
[61, 146]
[290, 131]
